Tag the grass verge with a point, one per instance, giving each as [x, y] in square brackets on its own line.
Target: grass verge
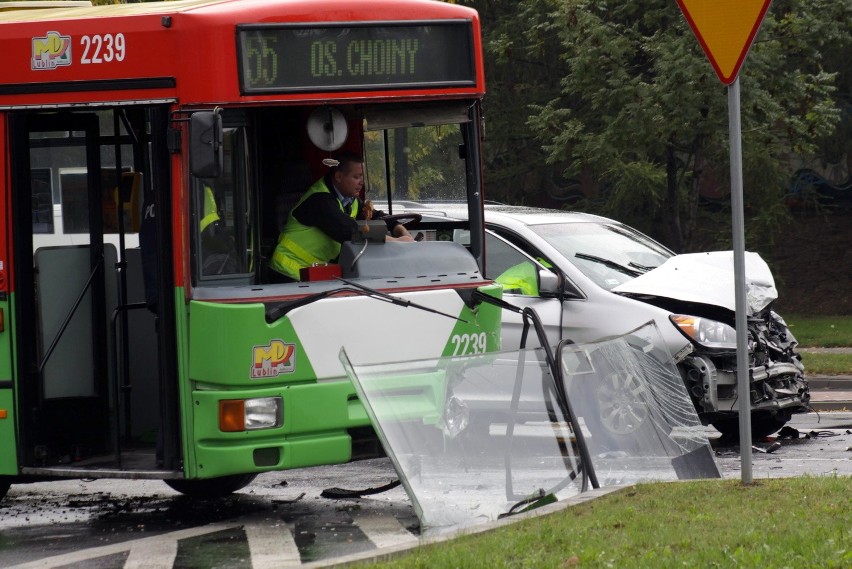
[827, 364]
[821, 331]
[790, 522]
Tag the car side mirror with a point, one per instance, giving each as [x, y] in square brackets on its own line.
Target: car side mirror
[548, 282]
[205, 144]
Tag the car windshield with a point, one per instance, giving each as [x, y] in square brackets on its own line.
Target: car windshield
[609, 254]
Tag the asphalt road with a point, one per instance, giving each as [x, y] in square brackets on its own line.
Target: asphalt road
[282, 520]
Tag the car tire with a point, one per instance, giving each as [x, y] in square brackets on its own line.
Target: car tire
[620, 415]
[762, 425]
[632, 413]
[211, 487]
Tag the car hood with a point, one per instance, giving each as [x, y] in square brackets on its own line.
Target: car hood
[707, 278]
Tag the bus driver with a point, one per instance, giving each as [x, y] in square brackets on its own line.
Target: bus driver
[324, 217]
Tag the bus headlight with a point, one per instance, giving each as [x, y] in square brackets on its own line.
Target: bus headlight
[706, 333]
[236, 415]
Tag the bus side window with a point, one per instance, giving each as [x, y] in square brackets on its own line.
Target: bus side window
[223, 205]
[218, 251]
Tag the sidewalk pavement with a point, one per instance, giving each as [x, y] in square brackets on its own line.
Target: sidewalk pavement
[831, 392]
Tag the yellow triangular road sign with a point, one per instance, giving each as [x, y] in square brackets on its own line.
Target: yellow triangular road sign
[725, 29]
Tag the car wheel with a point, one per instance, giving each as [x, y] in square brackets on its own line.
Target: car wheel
[618, 415]
[622, 406]
[762, 425]
[211, 487]
[625, 409]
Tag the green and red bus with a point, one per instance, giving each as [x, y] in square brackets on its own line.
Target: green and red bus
[131, 345]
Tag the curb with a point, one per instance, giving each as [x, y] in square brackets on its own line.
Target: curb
[843, 402]
[393, 552]
[831, 383]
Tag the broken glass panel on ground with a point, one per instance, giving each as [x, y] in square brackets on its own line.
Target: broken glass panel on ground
[476, 438]
[638, 420]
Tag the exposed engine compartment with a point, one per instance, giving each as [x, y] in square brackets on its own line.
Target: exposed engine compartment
[778, 385]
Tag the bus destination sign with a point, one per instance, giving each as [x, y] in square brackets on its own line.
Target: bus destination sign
[337, 57]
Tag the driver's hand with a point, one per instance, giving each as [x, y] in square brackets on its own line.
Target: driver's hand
[402, 238]
[400, 231]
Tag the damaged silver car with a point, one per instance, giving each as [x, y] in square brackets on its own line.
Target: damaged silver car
[589, 277]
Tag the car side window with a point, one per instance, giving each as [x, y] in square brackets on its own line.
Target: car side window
[524, 246]
[509, 267]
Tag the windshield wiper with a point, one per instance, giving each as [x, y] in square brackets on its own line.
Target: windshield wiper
[379, 295]
[643, 268]
[279, 310]
[611, 264]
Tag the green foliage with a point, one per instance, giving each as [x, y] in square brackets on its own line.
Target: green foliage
[621, 96]
[424, 154]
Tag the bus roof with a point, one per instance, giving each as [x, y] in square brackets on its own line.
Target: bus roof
[183, 50]
[41, 10]
[42, 4]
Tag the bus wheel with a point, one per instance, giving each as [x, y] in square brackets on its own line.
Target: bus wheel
[211, 487]
[5, 482]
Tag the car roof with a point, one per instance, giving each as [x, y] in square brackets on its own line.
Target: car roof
[540, 216]
[501, 214]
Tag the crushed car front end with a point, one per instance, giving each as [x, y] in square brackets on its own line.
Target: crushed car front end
[778, 387]
[698, 289]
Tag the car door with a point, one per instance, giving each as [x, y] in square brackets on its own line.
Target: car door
[568, 311]
[521, 277]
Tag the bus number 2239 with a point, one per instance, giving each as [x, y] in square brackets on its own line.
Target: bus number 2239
[469, 344]
[103, 48]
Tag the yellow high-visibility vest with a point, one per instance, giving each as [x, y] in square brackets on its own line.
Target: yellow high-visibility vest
[302, 245]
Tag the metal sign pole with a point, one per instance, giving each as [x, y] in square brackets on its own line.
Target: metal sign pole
[738, 224]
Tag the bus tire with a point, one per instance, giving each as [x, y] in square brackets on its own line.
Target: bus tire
[211, 487]
[5, 482]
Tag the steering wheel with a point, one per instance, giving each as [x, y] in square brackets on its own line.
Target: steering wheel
[412, 219]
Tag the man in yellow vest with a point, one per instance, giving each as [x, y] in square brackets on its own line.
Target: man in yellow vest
[324, 217]
[218, 252]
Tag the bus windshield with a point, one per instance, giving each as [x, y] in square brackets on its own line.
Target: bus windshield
[419, 164]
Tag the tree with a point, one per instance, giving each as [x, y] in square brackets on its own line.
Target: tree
[520, 71]
[620, 93]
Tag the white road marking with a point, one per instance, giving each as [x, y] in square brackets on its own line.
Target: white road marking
[163, 543]
[384, 531]
[153, 555]
[272, 545]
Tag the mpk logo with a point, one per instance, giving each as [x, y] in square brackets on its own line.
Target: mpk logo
[51, 51]
[273, 359]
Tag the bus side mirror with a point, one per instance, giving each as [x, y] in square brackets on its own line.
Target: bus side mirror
[205, 144]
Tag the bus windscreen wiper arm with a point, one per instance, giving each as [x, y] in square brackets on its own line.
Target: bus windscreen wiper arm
[379, 295]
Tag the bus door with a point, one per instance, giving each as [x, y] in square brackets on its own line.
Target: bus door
[65, 289]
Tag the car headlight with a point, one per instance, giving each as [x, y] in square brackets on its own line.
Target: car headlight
[706, 333]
